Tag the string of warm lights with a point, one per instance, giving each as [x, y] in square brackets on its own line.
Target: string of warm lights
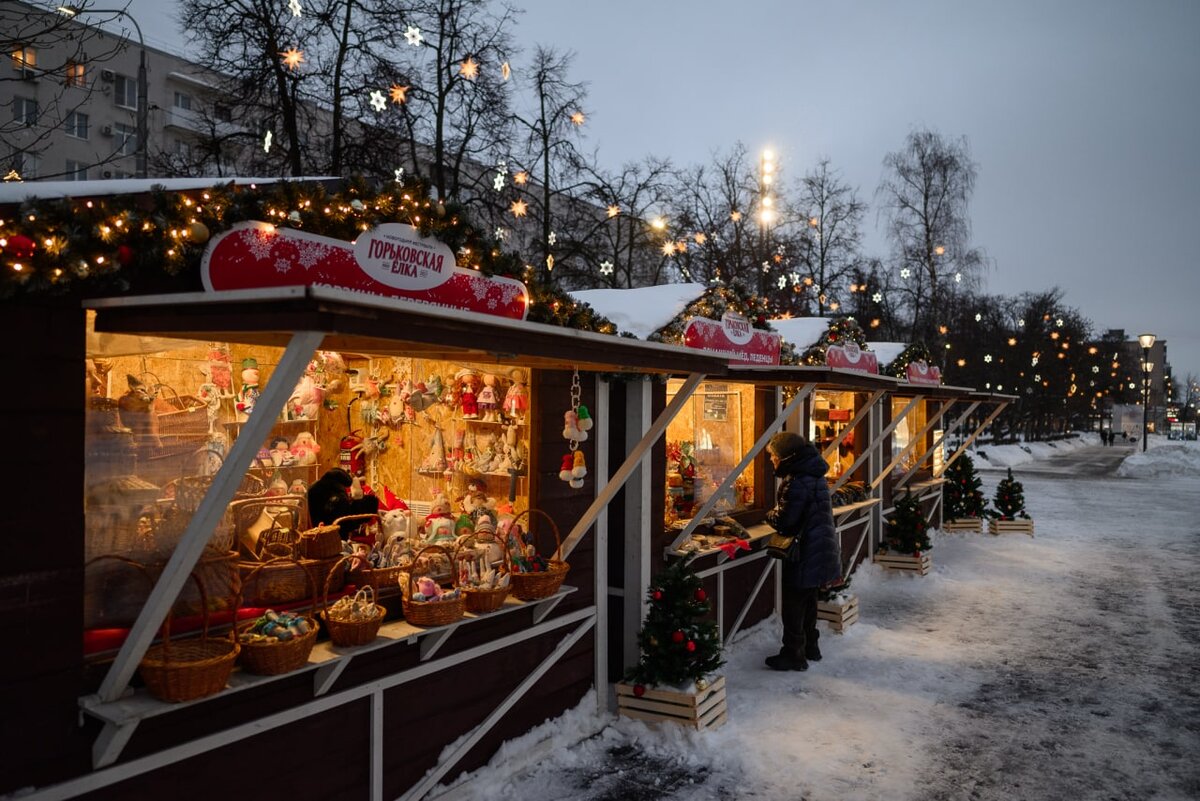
[118, 242]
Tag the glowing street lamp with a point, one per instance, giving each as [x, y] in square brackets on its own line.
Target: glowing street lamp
[1147, 342]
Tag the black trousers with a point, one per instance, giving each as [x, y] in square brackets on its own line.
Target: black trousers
[799, 618]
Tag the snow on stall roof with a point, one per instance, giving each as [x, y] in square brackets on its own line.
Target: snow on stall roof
[20, 191]
[801, 332]
[886, 352]
[643, 310]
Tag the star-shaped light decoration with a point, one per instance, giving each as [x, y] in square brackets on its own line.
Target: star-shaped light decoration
[501, 233]
[613, 211]
[668, 248]
[700, 237]
[292, 58]
[782, 282]
[12, 175]
[988, 358]
[1021, 323]
[519, 208]
[469, 68]
[958, 278]
[399, 173]
[550, 261]
[552, 238]
[294, 5]
[399, 93]
[505, 71]
[939, 251]
[520, 178]
[606, 267]
[578, 118]
[735, 215]
[1059, 322]
[378, 101]
[267, 142]
[905, 273]
[877, 297]
[795, 278]
[499, 181]
[412, 35]
[978, 316]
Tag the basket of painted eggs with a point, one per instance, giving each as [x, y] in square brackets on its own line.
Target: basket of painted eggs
[278, 642]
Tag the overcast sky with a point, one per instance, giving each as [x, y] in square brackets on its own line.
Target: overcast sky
[1083, 117]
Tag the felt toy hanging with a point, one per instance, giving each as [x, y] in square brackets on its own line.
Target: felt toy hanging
[575, 431]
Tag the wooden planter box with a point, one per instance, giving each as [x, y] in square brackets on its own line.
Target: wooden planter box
[839, 617]
[921, 565]
[970, 525]
[1021, 526]
[698, 709]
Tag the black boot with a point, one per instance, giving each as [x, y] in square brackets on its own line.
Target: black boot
[787, 659]
[812, 653]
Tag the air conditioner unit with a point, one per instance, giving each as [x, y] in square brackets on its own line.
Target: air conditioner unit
[106, 130]
[107, 75]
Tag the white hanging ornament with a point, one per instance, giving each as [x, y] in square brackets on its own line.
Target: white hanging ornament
[399, 173]
[378, 101]
[412, 35]
[267, 142]
[294, 5]
[606, 267]
[550, 240]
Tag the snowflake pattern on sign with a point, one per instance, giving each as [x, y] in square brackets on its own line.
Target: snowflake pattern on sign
[282, 265]
[311, 256]
[261, 244]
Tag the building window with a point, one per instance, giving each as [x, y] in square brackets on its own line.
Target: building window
[223, 113]
[26, 165]
[125, 92]
[76, 125]
[183, 101]
[76, 171]
[25, 110]
[24, 58]
[76, 74]
[126, 139]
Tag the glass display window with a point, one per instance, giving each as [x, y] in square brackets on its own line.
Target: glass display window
[705, 442]
[829, 423]
[908, 428]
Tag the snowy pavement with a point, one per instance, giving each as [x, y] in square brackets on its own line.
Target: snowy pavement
[1062, 666]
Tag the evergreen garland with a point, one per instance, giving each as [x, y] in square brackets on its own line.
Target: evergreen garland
[841, 330]
[677, 644]
[898, 367]
[962, 494]
[906, 531]
[713, 304]
[1010, 499]
[153, 241]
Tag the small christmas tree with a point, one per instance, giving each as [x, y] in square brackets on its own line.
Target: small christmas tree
[677, 644]
[1010, 499]
[906, 531]
[962, 494]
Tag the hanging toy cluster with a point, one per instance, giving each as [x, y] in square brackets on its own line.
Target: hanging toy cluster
[577, 422]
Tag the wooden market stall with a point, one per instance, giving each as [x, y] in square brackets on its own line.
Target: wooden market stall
[420, 704]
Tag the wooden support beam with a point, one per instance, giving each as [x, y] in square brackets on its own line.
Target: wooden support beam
[1000, 406]
[937, 444]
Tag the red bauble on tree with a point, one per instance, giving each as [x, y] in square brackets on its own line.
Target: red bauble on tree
[639, 690]
[657, 595]
[125, 255]
[701, 595]
[19, 246]
[691, 646]
[677, 637]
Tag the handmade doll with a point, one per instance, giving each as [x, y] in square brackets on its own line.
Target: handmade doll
[516, 400]
[281, 452]
[305, 448]
[248, 394]
[466, 397]
[306, 399]
[489, 403]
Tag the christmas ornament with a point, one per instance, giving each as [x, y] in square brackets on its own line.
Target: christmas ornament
[292, 58]
[198, 232]
[677, 636]
[294, 5]
[378, 101]
[125, 255]
[639, 690]
[412, 35]
[657, 595]
[701, 684]
[691, 646]
[399, 93]
[606, 267]
[701, 595]
[577, 118]
[267, 142]
[519, 207]
[469, 68]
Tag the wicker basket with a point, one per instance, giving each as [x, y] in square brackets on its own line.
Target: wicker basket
[321, 542]
[187, 669]
[280, 578]
[343, 631]
[480, 601]
[180, 415]
[430, 613]
[275, 658]
[258, 522]
[543, 583]
[364, 528]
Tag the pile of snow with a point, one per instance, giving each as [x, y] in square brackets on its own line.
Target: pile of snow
[643, 310]
[886, 352]
[1003, 456]
[1175, 459]
[801, 332]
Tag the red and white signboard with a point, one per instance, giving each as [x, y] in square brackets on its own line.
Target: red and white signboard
[921, 373]
[392, 260]
[734, 338]
[851, 357]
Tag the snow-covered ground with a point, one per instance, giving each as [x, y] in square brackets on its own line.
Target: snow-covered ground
[1062, 666]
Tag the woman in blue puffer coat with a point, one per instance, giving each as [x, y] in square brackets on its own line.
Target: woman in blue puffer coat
[803, 510]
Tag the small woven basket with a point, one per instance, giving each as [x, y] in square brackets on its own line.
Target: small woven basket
[543, 583]
[344, 631]
[275, 658]
[430, 613]
[321, 542]
[188, 669]
[479, 601]
[362, 528]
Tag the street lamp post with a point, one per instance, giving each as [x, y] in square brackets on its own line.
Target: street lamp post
[1147, 342]
[143, 109]
[766, 212]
